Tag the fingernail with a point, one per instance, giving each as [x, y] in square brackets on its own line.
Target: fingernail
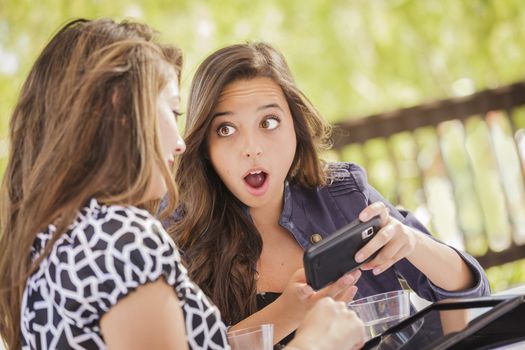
[363, 216]
[376, 271]
[348, 280]
[307, 291]
[359, 257]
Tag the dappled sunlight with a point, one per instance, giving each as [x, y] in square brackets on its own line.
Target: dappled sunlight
[463, 178]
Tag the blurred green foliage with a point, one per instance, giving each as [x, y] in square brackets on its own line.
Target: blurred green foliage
[352, 58]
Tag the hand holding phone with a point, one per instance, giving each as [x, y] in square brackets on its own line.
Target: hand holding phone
[328, 260]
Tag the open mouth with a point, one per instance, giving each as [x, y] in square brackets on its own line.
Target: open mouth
[255, 179]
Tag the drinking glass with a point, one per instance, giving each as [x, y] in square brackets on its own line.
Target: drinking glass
[252, 338]
[381, 311]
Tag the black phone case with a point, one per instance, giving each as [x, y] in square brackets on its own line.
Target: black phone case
[328, 260]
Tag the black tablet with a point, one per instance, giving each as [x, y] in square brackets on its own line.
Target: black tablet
[479, 323]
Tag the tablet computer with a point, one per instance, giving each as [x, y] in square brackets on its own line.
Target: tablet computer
[478, 323]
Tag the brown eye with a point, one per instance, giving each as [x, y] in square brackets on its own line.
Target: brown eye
[225, 130]
[270, 123]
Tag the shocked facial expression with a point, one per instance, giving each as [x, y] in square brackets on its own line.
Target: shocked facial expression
[252, 141]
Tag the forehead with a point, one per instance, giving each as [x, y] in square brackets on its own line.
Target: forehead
[259, 87]
[171, 87]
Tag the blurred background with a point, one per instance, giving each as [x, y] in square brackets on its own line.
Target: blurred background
[363, 62]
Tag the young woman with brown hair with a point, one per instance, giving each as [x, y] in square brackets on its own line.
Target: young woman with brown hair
[252, 152]
[83, 264]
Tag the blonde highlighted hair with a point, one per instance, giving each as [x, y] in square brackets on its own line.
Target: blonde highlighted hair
[84, 126]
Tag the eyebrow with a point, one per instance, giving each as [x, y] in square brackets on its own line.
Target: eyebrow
[260, 108]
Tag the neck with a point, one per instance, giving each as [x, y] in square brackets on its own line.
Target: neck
[268, 214]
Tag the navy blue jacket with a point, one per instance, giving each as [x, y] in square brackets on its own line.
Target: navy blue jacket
[321, 211]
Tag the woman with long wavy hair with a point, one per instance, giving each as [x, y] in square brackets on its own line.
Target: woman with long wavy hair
[83, 263]
[255, 194]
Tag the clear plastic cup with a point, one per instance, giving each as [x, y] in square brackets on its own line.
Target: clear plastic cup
[382, 311]
[256, 338]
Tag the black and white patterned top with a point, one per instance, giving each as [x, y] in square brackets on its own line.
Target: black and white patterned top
[105, 254]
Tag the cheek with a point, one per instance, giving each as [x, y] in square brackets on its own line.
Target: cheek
[293, 140]
[289, 157]
[217, 159]
[169, 132]
[223, 168]
[286, 147]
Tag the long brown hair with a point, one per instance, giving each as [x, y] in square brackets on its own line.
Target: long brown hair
[84, 126]
[221, 245]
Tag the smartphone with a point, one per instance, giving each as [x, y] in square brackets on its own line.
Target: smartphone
[331, 258]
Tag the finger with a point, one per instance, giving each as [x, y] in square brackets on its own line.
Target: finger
[304, 291]
[338, 293]
[341, 285]
[383, 267]
[298, 276]
[391, 251]
[377, 208]
[347, 295]
[335, 288]
[366, 267]
[389, 262]
[359, 344]
[357, 275]
[347, 289]
[380, 239]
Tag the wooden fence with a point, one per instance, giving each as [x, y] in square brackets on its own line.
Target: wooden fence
[458, 164]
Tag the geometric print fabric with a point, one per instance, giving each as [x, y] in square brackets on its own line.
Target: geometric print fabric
[106, 253]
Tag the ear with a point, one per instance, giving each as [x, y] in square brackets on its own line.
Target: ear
[117, 95]
[116, 102]
[115, 98]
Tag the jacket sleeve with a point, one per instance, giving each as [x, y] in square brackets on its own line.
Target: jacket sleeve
[415, 279]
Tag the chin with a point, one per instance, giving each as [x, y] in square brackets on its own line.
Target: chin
[157, 193]
[256, 202]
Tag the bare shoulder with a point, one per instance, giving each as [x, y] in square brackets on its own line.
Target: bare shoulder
[149, 317]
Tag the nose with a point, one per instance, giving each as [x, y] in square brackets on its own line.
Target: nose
[252, 148]
[180, 146]
[253, 154]
[252, 151]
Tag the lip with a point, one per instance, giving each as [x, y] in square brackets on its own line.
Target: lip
[261, 190]
[253, 170]
[171, 162]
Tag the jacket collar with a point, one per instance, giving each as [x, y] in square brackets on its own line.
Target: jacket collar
[287, 205]
[291, 205]
[286, 213]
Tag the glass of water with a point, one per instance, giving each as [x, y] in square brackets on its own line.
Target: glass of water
[382, 311]
[252, 338]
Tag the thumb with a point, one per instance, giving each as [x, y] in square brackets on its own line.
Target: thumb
[298, 276]
[298, 283]
[304, 291]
